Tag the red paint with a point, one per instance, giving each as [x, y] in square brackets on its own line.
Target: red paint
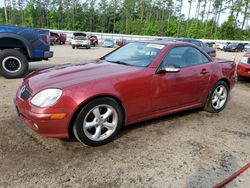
[232, 177]
[243, 69]
[121, 42]
[143, 93]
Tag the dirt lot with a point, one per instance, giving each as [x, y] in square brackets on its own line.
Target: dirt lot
[189, 149]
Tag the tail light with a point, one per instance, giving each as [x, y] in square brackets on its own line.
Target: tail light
[46, 39]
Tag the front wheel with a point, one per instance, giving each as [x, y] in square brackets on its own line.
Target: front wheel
[13, 63]
[98, 122]
[217, 98]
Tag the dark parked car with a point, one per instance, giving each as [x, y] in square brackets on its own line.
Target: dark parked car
[137, 82]
[20, 45]
[210, 44]
[93, 40]
[234, 47]
[52, 40]
[210, 51]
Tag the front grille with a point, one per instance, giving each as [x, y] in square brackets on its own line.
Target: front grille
[25, 93]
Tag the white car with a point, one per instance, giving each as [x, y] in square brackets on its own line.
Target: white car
[247, 48]
[80, 40]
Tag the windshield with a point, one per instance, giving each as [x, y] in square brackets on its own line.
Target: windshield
[232, 45]
[135, 54]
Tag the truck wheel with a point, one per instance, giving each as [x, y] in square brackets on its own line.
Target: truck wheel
[13, 63]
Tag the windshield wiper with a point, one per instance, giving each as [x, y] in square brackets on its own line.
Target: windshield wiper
[118, 62]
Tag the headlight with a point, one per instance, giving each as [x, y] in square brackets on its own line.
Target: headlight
[46, 98]
[244, 60]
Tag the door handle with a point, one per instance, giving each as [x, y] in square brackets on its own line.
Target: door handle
[204, 71]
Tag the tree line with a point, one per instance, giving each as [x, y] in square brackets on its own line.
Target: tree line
[142, 17]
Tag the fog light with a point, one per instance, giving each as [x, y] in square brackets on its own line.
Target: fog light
[57, 116]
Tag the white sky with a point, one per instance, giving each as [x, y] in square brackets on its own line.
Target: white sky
[223, 16]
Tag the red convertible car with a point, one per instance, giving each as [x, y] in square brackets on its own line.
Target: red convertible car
[243, 68]
[137, 82]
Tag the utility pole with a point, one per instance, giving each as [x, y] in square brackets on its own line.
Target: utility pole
[5, 12]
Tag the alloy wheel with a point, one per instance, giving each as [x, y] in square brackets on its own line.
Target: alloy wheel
[100, 122]
[219, 97]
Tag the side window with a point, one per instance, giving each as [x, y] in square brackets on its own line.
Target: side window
[204, 58]
[184, 57]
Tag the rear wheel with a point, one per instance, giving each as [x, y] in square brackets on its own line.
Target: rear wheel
[98, 122]
[217, 98]
[73, 47]
[13, 63]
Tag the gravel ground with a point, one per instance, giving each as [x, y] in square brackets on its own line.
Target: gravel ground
[188, 149]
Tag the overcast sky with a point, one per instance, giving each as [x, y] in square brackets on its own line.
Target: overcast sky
[223, 16]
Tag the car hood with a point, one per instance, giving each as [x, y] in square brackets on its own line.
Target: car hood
[70, 74]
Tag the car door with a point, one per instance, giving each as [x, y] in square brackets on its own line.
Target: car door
[186, 87]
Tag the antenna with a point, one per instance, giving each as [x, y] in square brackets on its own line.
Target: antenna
[234, 57]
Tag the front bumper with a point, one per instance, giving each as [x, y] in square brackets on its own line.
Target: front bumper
[48, 55]
[80, 44]
[41, 122]
[243, 70]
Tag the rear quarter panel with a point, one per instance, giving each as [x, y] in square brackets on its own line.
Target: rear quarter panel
[223, 70]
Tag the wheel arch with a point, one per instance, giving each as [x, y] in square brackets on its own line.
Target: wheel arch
[226, 81]
[78, 109]
[18, 39]
[211, 86]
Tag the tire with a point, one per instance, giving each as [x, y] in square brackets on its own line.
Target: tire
[94, 44]
[73, 47]
[13, 63]
[216, 102]
[92, 128]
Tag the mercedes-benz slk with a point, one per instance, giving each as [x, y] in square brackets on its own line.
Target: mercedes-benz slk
[137, 82]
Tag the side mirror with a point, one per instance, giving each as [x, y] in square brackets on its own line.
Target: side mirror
[169, 69]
